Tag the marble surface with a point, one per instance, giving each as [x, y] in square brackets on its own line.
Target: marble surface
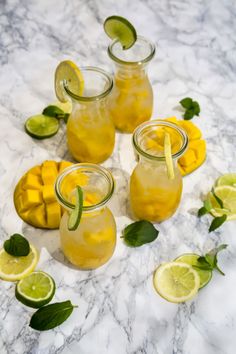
[119, 311]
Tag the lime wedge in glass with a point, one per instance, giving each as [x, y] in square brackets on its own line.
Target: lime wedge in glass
[35, 290]
[229, 179]
[192, 259]
[168, 156]
[176, 281]
[41, 126]
[117, 27]
[75, 215]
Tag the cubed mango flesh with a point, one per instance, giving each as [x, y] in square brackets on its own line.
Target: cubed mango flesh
[53, 212]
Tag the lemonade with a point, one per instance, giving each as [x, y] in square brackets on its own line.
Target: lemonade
[154, 195]
[93, 242]
[90, 130]
[131, 101]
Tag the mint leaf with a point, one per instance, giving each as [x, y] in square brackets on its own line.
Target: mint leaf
[139, 233]
[202, 211]
[53, 111]
[205, 209]
[219, 201]
[189, 114]
[17, 246]
[217, 222]
[186, 102]
[51, 316]
[211, 257]
[196, 108]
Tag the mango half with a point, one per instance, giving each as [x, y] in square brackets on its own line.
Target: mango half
[195, 154]
[34, 196]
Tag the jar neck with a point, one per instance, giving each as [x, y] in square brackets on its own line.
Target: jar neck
[130, 71]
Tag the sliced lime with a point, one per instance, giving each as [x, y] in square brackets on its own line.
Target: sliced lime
[75, 215]
[35, 290]
[227, 194]
[41, 126]
[176, 281]
[117, 27]
[168, 156]
[192, 259]
[229, 179]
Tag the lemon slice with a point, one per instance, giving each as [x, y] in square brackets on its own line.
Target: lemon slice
[176, 281]
[168, 156]
[229, 179]
[69, 72]
[227, 194]
[35, 290]
[15, 268]
[192, 259]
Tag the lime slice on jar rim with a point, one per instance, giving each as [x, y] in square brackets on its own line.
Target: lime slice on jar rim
[41, 126]
[68, 72]
[117, 27]
[35, 290]
[76, 213]
[176, 281]
[192, 259]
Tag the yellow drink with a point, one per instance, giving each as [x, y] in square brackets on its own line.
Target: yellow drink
[93, 242]
[131, 101]
[154, 196]
[90, 130]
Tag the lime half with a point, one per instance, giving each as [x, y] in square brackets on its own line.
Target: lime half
[228, 179]
[41, 126]
[75, 215]
[69, 72]
[227, 194]
[117, 27]
[15, 268]
[35, 290]
[168, 156]
[176, 281]
[192, 259]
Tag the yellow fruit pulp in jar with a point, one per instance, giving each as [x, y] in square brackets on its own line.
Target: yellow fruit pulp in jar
[131, 100]
[90, 133]
[93, 242]
[154, 197]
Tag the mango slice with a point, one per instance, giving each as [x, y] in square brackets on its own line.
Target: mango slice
[34, 196]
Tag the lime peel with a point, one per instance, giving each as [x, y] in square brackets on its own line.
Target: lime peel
[75, 215]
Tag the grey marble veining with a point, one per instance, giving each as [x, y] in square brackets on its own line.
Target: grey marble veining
[119, 311]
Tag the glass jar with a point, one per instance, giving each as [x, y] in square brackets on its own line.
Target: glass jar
[154, 196]
[90, 130]
[131, 101]
[93, 242]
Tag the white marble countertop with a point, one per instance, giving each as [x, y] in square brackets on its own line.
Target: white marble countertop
[119, 311]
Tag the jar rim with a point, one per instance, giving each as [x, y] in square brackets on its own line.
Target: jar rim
[90, 98]
[155, 123]
[84, 166]
[132, 63]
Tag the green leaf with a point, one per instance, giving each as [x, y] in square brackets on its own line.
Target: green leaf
[189, 114]
[217, 222]
[196, 108]
[139, 233]
[202, 211]
[219, 201]
[211, 257]
[17, 246]
[51, 316]
[186, 102]
[53, 111]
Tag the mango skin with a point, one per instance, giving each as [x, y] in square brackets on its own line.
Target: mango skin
[34, 197]
[195, 154]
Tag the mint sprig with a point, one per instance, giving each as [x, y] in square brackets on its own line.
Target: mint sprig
[209, 261]
[56, 112]
[192, 108]
[139, 233]
[17, 246]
